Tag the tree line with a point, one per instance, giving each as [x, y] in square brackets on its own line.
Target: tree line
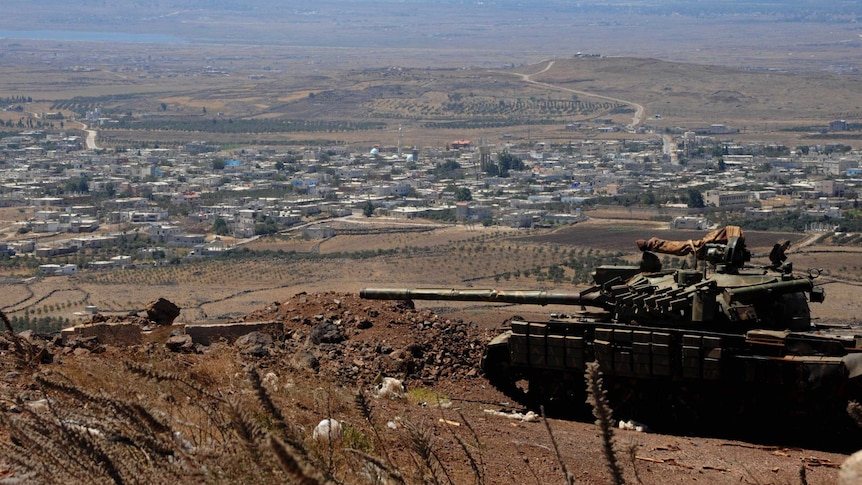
[230, 125]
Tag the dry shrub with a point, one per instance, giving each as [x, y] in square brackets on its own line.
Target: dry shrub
[597, 397]
[168, 418]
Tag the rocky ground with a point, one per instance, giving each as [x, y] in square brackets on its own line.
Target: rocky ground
[329, 345]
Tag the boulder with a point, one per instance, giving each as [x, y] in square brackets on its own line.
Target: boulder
[76, 341]
[328, 431]
[257, 344]
[326, 332]
[119, 334]
[306, 360]
[162, 312]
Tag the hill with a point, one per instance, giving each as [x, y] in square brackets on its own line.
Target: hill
[245, 411]
[176, 98]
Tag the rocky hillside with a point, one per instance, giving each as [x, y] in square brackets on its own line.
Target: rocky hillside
[325, 388]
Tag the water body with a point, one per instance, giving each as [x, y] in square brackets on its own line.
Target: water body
[84, 36]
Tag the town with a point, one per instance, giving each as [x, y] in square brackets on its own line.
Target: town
[198, 200]
[411, 242]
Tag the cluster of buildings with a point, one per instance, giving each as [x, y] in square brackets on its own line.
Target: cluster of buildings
[176, 196]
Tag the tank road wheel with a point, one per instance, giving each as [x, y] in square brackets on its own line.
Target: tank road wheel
[562, 394]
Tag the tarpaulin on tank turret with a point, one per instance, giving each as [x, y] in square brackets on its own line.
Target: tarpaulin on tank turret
[683, 248]
[853, 363]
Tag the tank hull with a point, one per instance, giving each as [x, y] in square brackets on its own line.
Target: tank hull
[776, 386]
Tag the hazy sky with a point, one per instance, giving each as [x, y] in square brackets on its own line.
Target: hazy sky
[721, 31]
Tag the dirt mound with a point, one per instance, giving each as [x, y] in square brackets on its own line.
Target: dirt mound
[359, 340]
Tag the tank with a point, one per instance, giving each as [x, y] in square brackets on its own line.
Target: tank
[717, 346]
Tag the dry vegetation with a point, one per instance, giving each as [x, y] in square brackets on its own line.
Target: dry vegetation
[687, 94]
[232, 414]
[174, 97]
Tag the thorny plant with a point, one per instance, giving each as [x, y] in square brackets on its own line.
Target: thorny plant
[170, 430]
[597, 398]
[27, 354]
[570, 479]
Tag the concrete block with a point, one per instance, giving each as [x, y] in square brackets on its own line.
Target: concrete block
[110, 333]
[207, 333]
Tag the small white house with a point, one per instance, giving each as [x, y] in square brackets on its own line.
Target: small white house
[58, 269]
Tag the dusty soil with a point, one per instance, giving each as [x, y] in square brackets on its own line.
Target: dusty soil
[436, 356]
[446, 348]
[434, 349]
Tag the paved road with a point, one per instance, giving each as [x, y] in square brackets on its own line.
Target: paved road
[669, 147]
[639, 109]
[91, 136]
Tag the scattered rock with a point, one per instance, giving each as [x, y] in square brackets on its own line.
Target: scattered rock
[27, 335]
[402, 362]
[390, 388]
[632, 425]
[385, 338]
[327, 431]
[257, 344]
[162, 312]
[43, 356]
[327, 332]
[270, 380]
[38, 406]
[76, 341]
[115, 331]
[306, 360]
[851, 470]
[180, 343]
[207, 333]
[528, 417]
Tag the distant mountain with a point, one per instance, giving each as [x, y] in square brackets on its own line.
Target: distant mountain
[98, 14]
[686, 30]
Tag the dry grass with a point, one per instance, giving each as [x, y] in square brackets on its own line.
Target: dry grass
[688, 95]
[597, 398]
[211, 418]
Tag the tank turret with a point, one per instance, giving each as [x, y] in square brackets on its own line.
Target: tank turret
[726, 296]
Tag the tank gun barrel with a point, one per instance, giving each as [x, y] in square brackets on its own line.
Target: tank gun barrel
[535, 297]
